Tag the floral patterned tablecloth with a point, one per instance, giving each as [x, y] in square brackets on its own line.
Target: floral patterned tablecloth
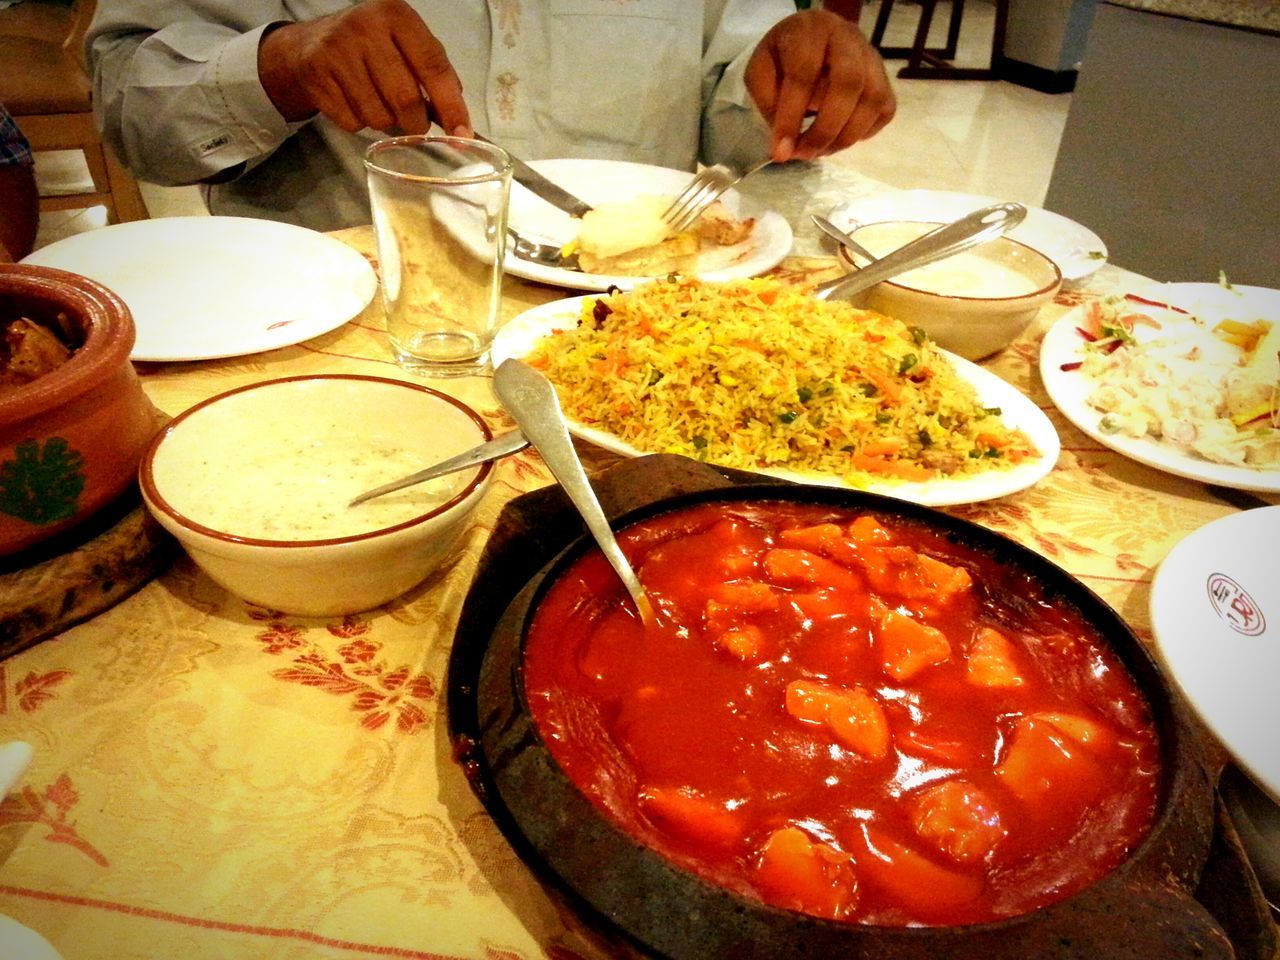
[213, 779]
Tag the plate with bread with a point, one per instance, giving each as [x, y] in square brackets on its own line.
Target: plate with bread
[622, 241]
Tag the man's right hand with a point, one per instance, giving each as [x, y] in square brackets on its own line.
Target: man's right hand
[364, 67]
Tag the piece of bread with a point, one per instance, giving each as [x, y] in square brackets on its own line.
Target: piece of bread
[617, 239]
[673, 255]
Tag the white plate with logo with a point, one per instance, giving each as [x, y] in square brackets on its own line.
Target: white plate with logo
[1215, 611]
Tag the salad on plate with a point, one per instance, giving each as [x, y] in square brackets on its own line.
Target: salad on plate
[1204, 381]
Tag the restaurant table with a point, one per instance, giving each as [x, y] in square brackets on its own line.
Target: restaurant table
[212, 779]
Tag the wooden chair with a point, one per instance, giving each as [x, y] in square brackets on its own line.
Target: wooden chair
[45, 85]
[934, 63]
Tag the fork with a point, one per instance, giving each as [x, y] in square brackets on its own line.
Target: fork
[704, 189]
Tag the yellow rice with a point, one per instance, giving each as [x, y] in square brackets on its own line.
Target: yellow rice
[757, 373]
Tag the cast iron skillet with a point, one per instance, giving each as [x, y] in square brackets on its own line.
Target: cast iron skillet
[645, 906]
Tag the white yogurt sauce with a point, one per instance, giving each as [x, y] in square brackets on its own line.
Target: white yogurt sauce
[966, 274]
[301, 490]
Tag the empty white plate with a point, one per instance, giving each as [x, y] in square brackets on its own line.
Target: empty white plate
[206, 287]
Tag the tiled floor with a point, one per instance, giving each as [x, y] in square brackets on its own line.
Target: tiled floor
[980, 137]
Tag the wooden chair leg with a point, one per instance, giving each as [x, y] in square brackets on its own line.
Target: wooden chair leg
[97, 164]
[927, 64]
[919, 46]
[1000, 31]
[919, 49]
[127, 198]
[882, 21]
[953, 30]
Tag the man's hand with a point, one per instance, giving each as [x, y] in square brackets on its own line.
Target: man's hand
[817, 62]
[364, 67]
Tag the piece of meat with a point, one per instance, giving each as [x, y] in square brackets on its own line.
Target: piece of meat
[721, 227]
[31, 351]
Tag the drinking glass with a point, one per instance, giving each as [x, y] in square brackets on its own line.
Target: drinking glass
[440, 214]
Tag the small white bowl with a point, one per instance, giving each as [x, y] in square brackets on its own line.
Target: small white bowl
[973, 303]
[255, 484]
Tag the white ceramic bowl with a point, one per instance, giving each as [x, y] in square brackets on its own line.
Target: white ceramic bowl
[973, 303]
[255, 484]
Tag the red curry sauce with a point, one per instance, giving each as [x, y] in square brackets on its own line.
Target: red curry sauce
[844, 715]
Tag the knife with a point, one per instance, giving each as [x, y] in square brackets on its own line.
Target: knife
[540, 186]
[522, 173]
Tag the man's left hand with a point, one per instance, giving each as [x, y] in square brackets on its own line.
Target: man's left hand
[815, 62]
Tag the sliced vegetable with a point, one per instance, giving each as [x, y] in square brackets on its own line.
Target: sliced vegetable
[686, 813]
[959, 819]
[907, 646]
[991, 663]
[801, 874]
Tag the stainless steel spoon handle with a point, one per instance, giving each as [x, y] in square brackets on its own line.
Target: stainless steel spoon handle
[951, 238]
[502, 446]
[841, 237]
[531, 399]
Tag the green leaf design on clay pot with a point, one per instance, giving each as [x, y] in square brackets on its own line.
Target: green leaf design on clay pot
[42, 485]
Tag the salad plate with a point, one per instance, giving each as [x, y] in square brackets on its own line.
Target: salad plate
[600, 181]
[520, 336]
[1191, 311]
[1076, 249]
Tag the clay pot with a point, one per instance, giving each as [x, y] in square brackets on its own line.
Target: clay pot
[70, 441]
[643, 905]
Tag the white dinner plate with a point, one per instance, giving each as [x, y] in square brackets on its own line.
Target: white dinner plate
[22, 943]
[15, 757]
[518, 338]
[600, 181]
[1076, 249]
[206, 287]
[1215, 612]
[1069, 388]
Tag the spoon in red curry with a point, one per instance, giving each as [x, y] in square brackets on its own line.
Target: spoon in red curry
[531, 400]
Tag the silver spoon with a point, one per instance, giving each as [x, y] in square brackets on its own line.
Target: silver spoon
[534, 251]
[842, 237]
[502, 446]
[531, 399]
[938, 244]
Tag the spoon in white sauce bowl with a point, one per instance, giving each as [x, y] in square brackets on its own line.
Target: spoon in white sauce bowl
[531, 400]
[841, 237]
[502, 446]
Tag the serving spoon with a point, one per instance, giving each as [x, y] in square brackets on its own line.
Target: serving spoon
[502, 446]
[531, 400]
[841, 237]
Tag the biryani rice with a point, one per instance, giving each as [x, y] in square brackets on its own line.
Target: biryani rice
[757, 373]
